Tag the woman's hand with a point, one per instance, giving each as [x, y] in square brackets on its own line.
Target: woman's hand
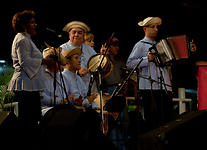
[102, 50]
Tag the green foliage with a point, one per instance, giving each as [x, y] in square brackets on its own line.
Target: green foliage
[5, 77]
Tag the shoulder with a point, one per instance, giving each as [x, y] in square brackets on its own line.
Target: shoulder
[88, 48]
[21, 40]
[65, 46]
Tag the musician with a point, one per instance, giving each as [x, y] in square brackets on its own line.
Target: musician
[89, 39]
[77, 31]
[47, 96]
[117, 127]
[74, 82]
[156, 97]
[117, 74]
[28, 79]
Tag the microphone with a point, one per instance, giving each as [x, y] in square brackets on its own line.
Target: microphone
[158, 60]
[53, 31]
[90, 85]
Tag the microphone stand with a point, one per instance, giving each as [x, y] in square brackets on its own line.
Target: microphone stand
[100, 83]
[120, 86]
[159, 62]
[55, 80]
[55, 58]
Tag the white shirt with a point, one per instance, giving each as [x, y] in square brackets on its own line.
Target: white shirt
[148, 69]
[86, 54]
[27, 59]
[48, 93]
[76, 86]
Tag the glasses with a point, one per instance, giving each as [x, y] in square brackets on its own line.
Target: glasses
[33, 23]
[153, 26]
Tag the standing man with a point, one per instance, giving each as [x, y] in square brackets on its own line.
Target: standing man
[154, 82]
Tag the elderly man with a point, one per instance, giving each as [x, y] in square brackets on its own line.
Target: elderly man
[77, 30]
[154, 82]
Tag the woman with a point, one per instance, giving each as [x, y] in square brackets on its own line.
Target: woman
[89, 40]
[27, 80]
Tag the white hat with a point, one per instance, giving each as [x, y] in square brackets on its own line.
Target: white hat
[76, 24]
[150, 20]
[50, 52]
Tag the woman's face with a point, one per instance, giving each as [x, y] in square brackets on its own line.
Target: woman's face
[32, 27]
[114, 49]
[90, 42]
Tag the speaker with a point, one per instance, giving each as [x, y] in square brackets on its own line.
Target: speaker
[66, 127]
[188, 131]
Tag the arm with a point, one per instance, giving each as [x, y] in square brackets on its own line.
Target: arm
[138, 52]
[29, 58]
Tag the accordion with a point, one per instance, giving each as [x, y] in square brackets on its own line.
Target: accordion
[172, 48]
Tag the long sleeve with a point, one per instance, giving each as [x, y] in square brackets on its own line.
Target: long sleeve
[29, 59]
[138, 52]
[28, 71]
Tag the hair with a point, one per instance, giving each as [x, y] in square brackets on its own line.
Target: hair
[88, 36]
[21, 19]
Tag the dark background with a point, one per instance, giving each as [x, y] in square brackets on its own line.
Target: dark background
[105, 17]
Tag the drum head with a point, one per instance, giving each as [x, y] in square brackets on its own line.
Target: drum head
[106, 65]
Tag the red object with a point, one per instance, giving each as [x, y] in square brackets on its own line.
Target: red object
[202, 87]
[179, 46]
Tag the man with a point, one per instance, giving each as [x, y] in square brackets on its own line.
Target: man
[47, 96]
[154, 82]
[76, 31]
[74, 82]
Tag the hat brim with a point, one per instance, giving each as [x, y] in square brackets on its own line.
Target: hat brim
[153, 20]
[71, 52]
[50, 52]
[76, 24]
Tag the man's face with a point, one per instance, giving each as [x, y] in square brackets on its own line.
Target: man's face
[151, 30]
[76, 36]
[75, 62]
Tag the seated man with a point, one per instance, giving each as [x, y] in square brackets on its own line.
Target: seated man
[47, 96]
[74, 82]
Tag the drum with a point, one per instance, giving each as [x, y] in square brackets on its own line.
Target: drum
[106, 66]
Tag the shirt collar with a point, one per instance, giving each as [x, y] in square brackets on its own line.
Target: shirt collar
[148, 40]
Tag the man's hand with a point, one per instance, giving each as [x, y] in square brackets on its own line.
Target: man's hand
[150, 56]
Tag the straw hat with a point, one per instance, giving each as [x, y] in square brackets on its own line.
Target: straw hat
[71, 52]
[48, 52]
[150, 20]
[76, 24]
